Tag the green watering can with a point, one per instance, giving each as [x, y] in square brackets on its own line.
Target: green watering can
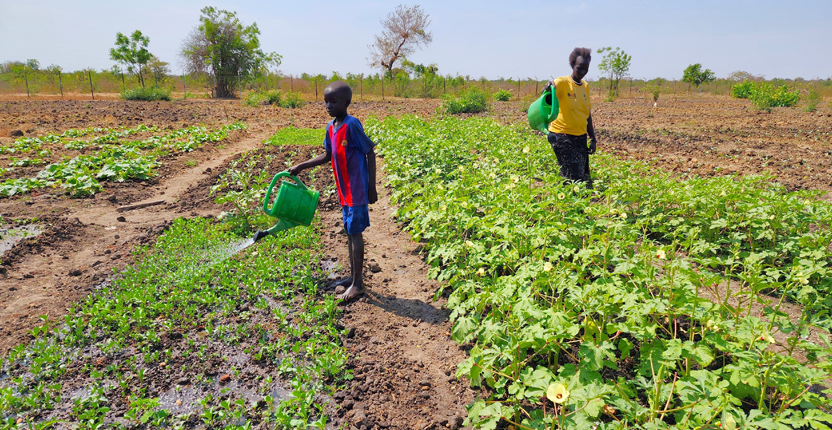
[294, 205]
[543, 110]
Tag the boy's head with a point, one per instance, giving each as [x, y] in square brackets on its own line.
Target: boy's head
[337, 97]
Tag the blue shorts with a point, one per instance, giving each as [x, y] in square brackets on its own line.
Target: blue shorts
[356, 218]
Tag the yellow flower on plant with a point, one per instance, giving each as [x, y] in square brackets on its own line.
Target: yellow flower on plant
[660, 254]
[526, 149]
[547, 267]
[561, 196]
[557, 393]
[481, 272]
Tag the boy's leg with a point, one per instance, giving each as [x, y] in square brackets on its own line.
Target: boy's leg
[346, 282]
[357, 265]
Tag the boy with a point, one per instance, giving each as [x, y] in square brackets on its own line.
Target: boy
[354, 166]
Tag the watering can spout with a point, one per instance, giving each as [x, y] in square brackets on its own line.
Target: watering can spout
[280, 226]
[259, 234]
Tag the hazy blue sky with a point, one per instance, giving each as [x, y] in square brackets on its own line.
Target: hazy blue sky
[479, 38]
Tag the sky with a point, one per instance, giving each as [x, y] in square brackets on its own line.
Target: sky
[494, 39]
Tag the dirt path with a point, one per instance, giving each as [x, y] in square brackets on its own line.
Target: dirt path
[402, 355]
[75, 254]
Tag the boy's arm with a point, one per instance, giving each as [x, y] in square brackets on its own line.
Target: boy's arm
[317, 161]
[371, 167]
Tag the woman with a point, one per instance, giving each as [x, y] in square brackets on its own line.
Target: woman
[568, 133]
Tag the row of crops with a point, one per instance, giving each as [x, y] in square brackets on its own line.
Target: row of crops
[108, 156]
[646, 302]
[191, 336]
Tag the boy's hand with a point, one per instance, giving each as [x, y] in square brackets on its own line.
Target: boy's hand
[372, 196]
[592, 145]
[295, 170]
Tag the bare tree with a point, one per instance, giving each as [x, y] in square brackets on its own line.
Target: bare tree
[402, 32]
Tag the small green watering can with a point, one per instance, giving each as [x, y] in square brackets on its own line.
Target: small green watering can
[294, 205]
[543, 110]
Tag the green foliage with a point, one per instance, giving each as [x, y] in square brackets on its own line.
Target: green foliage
[765, 96]
[297, 136]
[502, 96]
[194, 290]
[243, 186]
[615, 297]
[292, 100]
[274, 97]
[743, 90]
[132, 52]
[615, 64]
[113, 160]
[226, 48]
[813, 99]
[472, 100]
[695, 75]
[146, 94]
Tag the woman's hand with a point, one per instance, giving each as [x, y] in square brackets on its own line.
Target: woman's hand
[592, 144]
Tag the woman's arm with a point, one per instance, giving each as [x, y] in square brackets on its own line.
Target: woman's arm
[590, 130]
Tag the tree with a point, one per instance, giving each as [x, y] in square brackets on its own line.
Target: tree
[696, 76]
[402, 32]
[615, 64]
[158, 68]
[132, 53]
[33, 64]
[223, 46]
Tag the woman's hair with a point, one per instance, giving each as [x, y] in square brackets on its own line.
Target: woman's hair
[579, 52]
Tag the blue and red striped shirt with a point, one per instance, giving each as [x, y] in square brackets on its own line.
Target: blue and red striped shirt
[348, 146]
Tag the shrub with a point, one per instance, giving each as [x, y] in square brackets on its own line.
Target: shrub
[743, 90]
[258, 97]
[502, 96]
[765, 96]
[146, 94]
[292, 100]
[812, 100]
[471, 101]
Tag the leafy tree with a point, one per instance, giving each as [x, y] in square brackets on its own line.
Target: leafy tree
[223, 46]
[402, 32]
[33, 64]
[615, 64]
[696, 76]
[132, 53]
[158, 68]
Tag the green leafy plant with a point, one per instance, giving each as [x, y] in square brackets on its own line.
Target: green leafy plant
[502, 96]
[145, 94]
[472, 100]
[132, 52]
[292, 100]
[616, 65]
[742, 90]
[813, 99]
[611, 305]
[765, 96]
[694, 74]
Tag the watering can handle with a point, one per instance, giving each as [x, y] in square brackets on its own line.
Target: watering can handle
[272, 184]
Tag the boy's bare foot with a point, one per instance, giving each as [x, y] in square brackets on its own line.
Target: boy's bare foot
[352, 292]
[344, 282]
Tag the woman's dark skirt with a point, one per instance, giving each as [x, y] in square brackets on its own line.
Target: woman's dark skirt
[573, 156]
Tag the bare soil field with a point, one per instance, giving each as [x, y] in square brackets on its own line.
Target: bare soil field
[402, 343]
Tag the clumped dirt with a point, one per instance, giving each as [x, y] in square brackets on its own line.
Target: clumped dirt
[402, 355]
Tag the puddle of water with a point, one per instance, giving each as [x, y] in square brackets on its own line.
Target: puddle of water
[185, 399]
[11, 235]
